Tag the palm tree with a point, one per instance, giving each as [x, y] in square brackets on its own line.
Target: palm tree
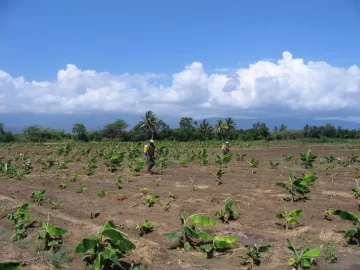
[150, 123]
[205, 128]
[231, 125]
[220, 128]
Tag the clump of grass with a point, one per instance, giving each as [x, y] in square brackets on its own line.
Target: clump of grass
[58, 259]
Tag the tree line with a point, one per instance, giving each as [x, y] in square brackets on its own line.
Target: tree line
[189, 129]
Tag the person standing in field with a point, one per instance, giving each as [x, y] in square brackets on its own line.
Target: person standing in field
[225, 148]
[150, 155]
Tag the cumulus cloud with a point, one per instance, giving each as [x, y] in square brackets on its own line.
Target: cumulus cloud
[288, 85]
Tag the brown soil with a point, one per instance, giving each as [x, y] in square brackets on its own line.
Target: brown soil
[256, 197]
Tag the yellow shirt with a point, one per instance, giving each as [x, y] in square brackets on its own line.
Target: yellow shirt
[146, 147]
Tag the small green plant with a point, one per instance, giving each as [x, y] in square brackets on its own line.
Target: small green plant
[287, 157]
[54, 203]
[144, 190]
[219, 174]
[290, 217]
[74, 177]
[145, 227]
[342, 162]
[304, 258]
[273, 164]
[22, 221]
[51, 235]
[298, 185]
[121, 196]
[330, 159]
[353, 234]
[102, 193]
[254, 163]
[253, 254]
[80, 188]
[38, 196]
[240, 157]
[105, 249]
[307, 159]
[228, 213]
[331, 252]
[119, 181]
[150, 200]
[223, 159]
[137, 166]
[192, 237]
[63, 184]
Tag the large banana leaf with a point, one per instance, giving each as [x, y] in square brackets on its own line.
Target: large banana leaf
[203, 220]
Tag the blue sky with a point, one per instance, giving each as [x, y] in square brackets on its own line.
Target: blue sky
[189, 42]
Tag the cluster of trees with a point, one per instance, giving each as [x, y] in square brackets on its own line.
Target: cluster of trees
[189, 129]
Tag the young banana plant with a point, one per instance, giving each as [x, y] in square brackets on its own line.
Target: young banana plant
[192, 237]
[303, 259]
[228, 213]
[290, 217]
[353, 234]
[254, 253]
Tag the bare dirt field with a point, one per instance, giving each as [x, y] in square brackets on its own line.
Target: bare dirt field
[256, 196]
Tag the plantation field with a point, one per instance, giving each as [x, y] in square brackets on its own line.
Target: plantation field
[89, 184]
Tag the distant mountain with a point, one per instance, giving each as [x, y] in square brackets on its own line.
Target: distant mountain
[15, 122]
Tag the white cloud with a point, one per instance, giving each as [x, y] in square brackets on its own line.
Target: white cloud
[287, 85]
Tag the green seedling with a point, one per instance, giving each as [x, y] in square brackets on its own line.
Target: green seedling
[203, 157]
[290, 217]
[342, 162]
[219, 174]
[54, 203]
[192, 237]
[158, 181]
[253, 254]
[161, 163]
[121, 196]
[273, 164]
[74, 177]
[38, 196]
[80, 188]
[144, 190]
[353, 234]
[150, 200]
[304, 258]
[331, 253]
[287, 157]
[22, 221]
[51, 235]
[137, 166]
[223, 159]
[240, 157]
[228, 213]
[298, 185]
[353, 158]
[63, 184]
[254, 163]
[102, 193]
[104, 250]
[144, 228]
[307, 159]
[119, 181]
[332, 175]
[330, 158]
